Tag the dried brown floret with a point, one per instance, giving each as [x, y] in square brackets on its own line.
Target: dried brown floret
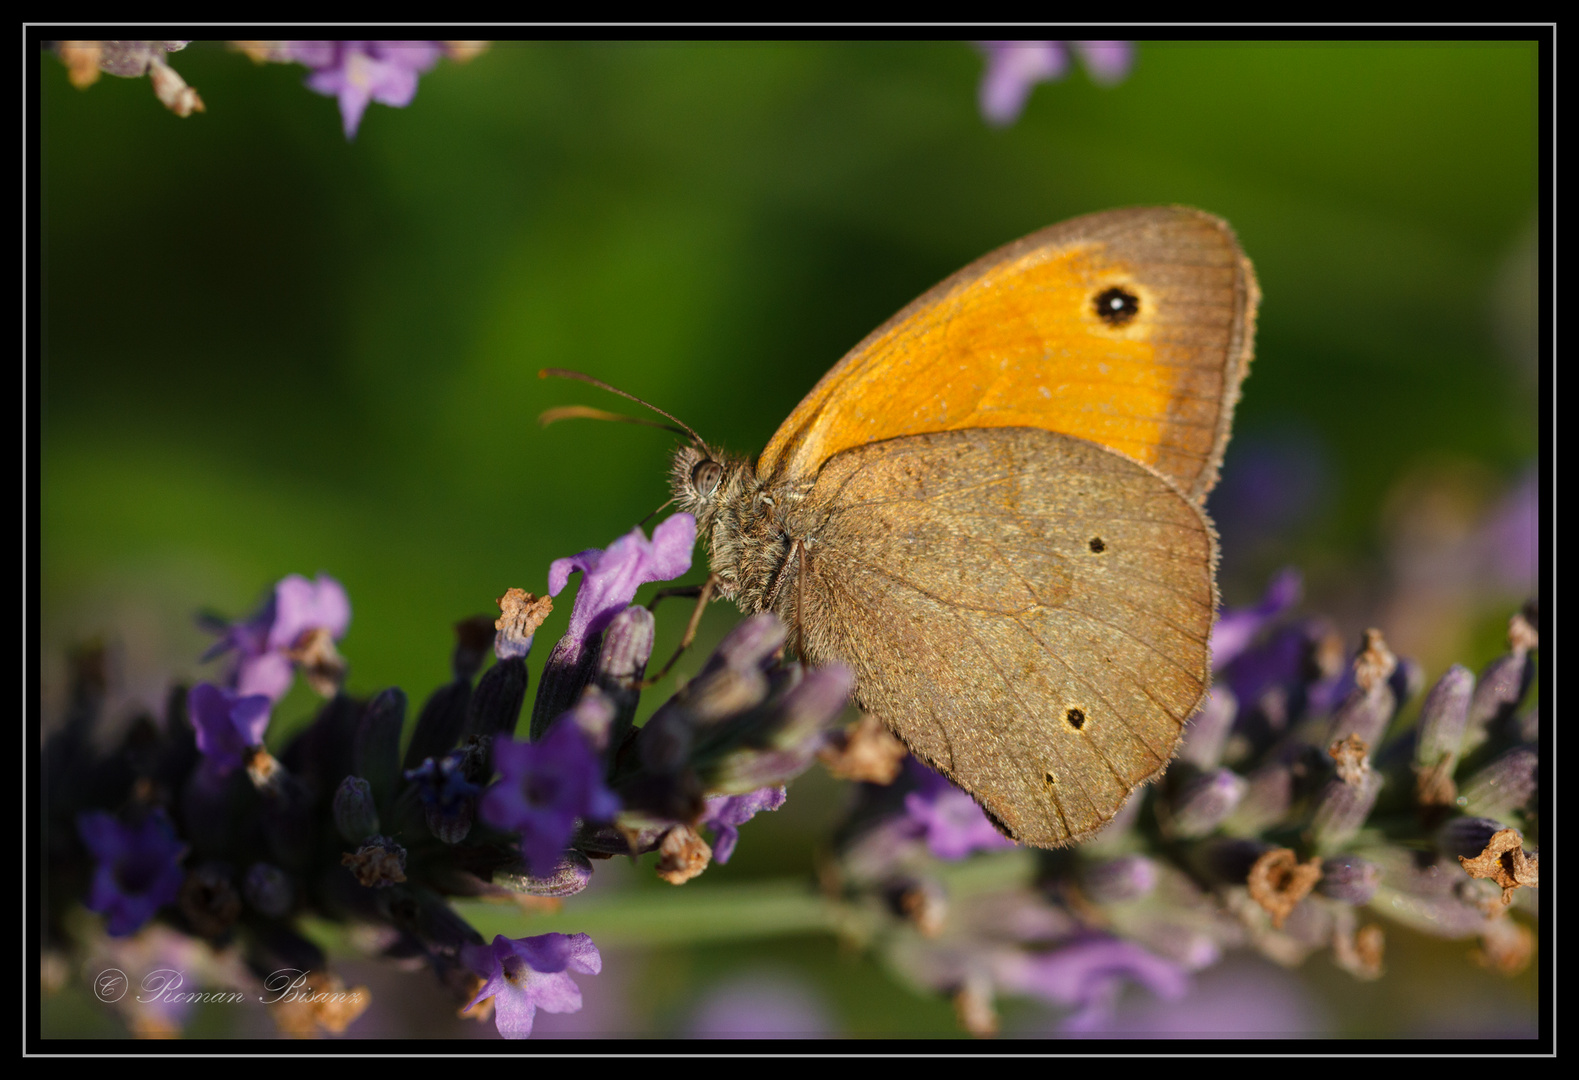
[1279, 881]
[1505, 862]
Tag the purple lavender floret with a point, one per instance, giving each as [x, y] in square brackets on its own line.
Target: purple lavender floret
[954, 825]
[611, 577]
[1236, 629]
[726, 813]
[442, 783]
[543, 788]
[138, 867]
[262, 641]
[1015, 67]
[1087, 976]
[523, 975]
[227, 723]
[359, 72]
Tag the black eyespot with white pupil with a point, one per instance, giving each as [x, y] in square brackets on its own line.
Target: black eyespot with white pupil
[705, 477]
[1117, 306]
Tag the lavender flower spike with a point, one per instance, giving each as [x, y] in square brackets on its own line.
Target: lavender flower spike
[523, 975]
[543, 788]
[138, 871]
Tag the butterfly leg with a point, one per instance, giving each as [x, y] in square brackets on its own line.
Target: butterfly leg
[703, 593]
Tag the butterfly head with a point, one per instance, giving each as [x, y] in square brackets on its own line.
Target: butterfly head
[703, 481]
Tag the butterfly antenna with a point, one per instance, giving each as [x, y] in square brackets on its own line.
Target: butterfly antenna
[562, 373]
[655, 513]
[584, 412]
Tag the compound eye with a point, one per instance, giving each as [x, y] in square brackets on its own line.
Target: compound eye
[705, 477]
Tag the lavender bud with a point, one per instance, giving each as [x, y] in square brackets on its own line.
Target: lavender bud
[1349, 879]
[593, 717]
[1208, 729]
[1370, 705]
[1449, 915]
[1364, 713]
[627, 646]
[725, 692]
[321, 755]
[428, 918]
[806, 709]
[496, 706]
[1407, 680]
[1228, 859]
[440, 725]
[443, 718]
[1504, 786]
[1467, 837]
[1429, 892]
[375, 753]
[289, 818]
[1501, 688]
[268, 889]
[1342, 809]
[1528, 728]
[1189, 946]
[1442, 720]
[1417, 873]
[664, 742]
[473, 643]
[604, 841]
[772, 745]
[355, 814]
[1204, 801]
[1128, 877]
[750, 644]
[451, 825]
[448, 792]
[1308, 924]
[1268, 795]
[571, 665]
[880, 848]
[569, 877]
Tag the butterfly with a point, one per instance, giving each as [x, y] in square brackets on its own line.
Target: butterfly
[991, 509]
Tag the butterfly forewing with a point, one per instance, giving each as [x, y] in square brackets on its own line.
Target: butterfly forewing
[1130, 328]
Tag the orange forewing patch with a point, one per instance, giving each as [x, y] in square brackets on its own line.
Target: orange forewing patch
[1015, 340]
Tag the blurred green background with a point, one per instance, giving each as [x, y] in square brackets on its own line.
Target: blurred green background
[269, 350]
